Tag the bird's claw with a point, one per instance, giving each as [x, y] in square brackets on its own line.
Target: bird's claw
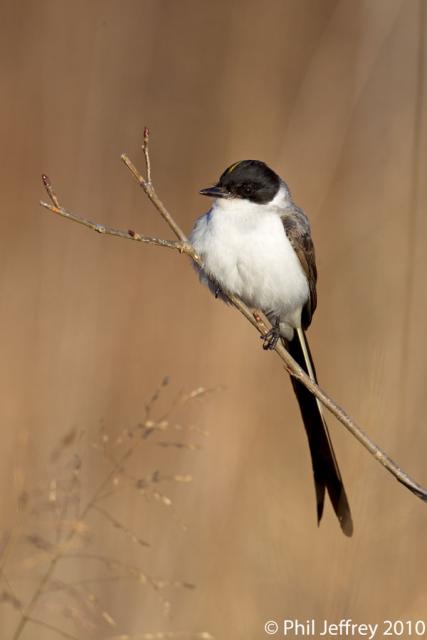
[271, 338]
[218, 291]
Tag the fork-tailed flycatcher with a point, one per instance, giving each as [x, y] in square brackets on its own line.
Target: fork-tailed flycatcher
[255, 243]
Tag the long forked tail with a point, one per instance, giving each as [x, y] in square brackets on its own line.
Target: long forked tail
[325, 467]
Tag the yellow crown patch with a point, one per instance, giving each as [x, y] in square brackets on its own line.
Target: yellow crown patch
[233, 166]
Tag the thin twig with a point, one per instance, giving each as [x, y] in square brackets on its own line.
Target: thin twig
[109, 231]
[50, 192]
[61, 586]
[151, 193]
[112, 563]
[26, 614]
[16, 601]
[147, 154]
[46, 625]
[118, 525]
[290, 364]
[155, 396]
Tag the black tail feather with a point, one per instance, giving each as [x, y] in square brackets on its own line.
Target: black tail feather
[325, 468]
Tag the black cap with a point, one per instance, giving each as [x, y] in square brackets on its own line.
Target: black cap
[248, 179]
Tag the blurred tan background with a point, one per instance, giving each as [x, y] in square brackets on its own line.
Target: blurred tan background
[331, 94]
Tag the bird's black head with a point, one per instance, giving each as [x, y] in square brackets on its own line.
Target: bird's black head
[248, 179]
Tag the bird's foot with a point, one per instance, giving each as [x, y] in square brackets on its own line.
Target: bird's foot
[271, 338]
[218, 292]
[216, 289]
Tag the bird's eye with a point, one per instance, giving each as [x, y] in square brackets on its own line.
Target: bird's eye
[248, 189]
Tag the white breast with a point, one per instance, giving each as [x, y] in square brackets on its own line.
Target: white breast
[246, 251]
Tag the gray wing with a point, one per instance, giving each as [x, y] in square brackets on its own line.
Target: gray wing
[297, 229]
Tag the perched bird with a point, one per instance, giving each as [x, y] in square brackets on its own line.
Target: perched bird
[255, 243]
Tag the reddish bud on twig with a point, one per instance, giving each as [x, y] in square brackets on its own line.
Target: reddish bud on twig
[146, 135]
[131, 232]
[49, 189]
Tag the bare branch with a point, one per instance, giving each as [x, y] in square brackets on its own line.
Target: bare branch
[147, 154]
[109, 231]
[149, 189]
[50, 192]
[255, 319]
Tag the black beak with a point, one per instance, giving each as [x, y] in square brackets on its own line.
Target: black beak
[215, 192]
